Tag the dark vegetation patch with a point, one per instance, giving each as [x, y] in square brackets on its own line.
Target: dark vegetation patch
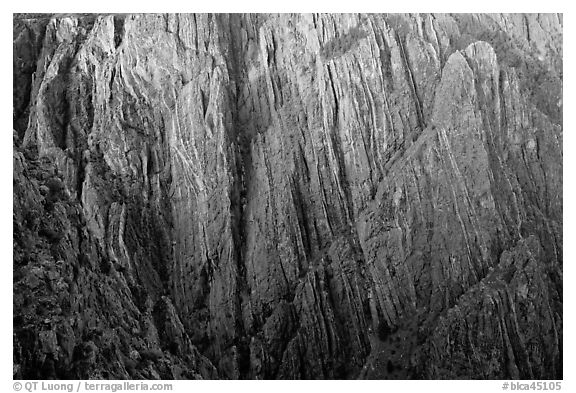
[383, 331]
[340, 45]
[118, 29]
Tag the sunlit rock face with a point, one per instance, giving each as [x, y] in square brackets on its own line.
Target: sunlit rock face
[287, 196]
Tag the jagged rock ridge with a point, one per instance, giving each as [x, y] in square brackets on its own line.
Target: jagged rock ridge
[288, 196]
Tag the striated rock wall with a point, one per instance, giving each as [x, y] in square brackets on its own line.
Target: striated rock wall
[288, 196]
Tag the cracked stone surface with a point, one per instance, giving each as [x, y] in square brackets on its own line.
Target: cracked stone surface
[287, 196]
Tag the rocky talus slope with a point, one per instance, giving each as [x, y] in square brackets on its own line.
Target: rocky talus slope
[287, 196]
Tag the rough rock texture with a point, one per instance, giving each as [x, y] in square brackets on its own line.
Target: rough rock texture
[288, 196]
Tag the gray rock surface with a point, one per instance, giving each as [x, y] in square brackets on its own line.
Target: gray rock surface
[288, 196]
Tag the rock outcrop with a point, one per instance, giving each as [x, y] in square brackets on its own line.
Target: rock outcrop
[288, 196]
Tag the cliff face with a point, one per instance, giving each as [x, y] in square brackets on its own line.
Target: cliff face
[293, 196]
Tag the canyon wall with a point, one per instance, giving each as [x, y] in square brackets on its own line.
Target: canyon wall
[287, 196]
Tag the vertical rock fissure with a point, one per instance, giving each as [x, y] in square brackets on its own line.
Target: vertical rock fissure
[412, 82]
